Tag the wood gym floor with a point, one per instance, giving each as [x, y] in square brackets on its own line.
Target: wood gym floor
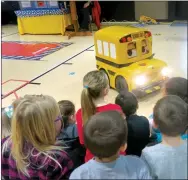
[65, 81]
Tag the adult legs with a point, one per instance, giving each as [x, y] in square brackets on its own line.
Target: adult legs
[84, 18]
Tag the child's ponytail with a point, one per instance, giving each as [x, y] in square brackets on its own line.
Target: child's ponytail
[94, 84]
[87, 105]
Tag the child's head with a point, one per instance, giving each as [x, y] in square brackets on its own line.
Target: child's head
[6, 121]
[170, 115]
[128, 102]
[67, 110]
[105, 134]
[177, 86]
[95, 86]
[35, 115]
[35, 120]
[7, 114]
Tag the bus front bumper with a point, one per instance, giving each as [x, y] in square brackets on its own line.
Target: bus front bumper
[142, 91]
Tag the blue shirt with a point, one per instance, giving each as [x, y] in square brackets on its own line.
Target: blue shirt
[125, 167]
[166, 162]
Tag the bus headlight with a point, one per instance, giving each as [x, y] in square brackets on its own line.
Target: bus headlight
[140, 80]
[165, 71]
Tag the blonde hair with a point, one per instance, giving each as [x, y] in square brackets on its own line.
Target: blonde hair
[33, 125]
[94, 83]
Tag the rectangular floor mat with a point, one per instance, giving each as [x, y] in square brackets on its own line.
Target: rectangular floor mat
[18, 50]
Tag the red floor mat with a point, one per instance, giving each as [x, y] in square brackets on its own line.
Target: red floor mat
[17, 50]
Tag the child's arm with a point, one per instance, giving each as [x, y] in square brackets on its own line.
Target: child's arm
[150, 118]
[147, 161]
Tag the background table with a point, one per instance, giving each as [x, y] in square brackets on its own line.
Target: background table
[43, 21]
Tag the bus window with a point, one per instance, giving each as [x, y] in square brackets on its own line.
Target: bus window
[131, 50]
[99, 46]
[145, 48]
[112, 51]
[106, 48]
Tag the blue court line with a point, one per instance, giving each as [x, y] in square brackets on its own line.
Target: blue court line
[56, 66]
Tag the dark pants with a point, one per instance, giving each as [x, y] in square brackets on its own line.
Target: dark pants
[83, 18]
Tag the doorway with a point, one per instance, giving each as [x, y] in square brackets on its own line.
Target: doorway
[178, 10]
[117, 10]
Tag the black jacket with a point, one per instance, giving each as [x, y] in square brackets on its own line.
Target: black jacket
[138, 134]
[74, 149]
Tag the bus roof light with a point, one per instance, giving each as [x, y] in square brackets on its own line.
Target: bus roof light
[122, 40]
[147, 34]
[129, 39]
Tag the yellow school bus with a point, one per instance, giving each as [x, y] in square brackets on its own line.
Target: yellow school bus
[125, 55]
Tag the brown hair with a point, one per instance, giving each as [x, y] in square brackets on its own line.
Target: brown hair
[105, 133]
[94, 83]
[128, 102]
[177, 86]
[67, 109]
[170, 115]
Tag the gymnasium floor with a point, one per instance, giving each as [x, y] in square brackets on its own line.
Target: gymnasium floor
[65, 81]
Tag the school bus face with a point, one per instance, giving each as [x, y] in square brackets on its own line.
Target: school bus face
[127, 52]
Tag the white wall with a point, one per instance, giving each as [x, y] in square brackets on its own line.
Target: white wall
[153, 9]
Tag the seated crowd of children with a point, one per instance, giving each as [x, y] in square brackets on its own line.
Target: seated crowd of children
[45, 139]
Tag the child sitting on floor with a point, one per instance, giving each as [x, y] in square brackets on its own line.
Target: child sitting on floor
[138, 126]
[168, 160]
[95, 88]
[6, 121]
[174, 86]
[32, 152]
[105, 135]
[177, 86]
[7, 114]
[67, 110]
[69, 133]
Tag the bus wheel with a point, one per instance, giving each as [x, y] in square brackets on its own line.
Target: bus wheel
[121, 84]
[106, 74]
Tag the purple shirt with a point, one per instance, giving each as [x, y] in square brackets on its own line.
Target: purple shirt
[37, 169]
